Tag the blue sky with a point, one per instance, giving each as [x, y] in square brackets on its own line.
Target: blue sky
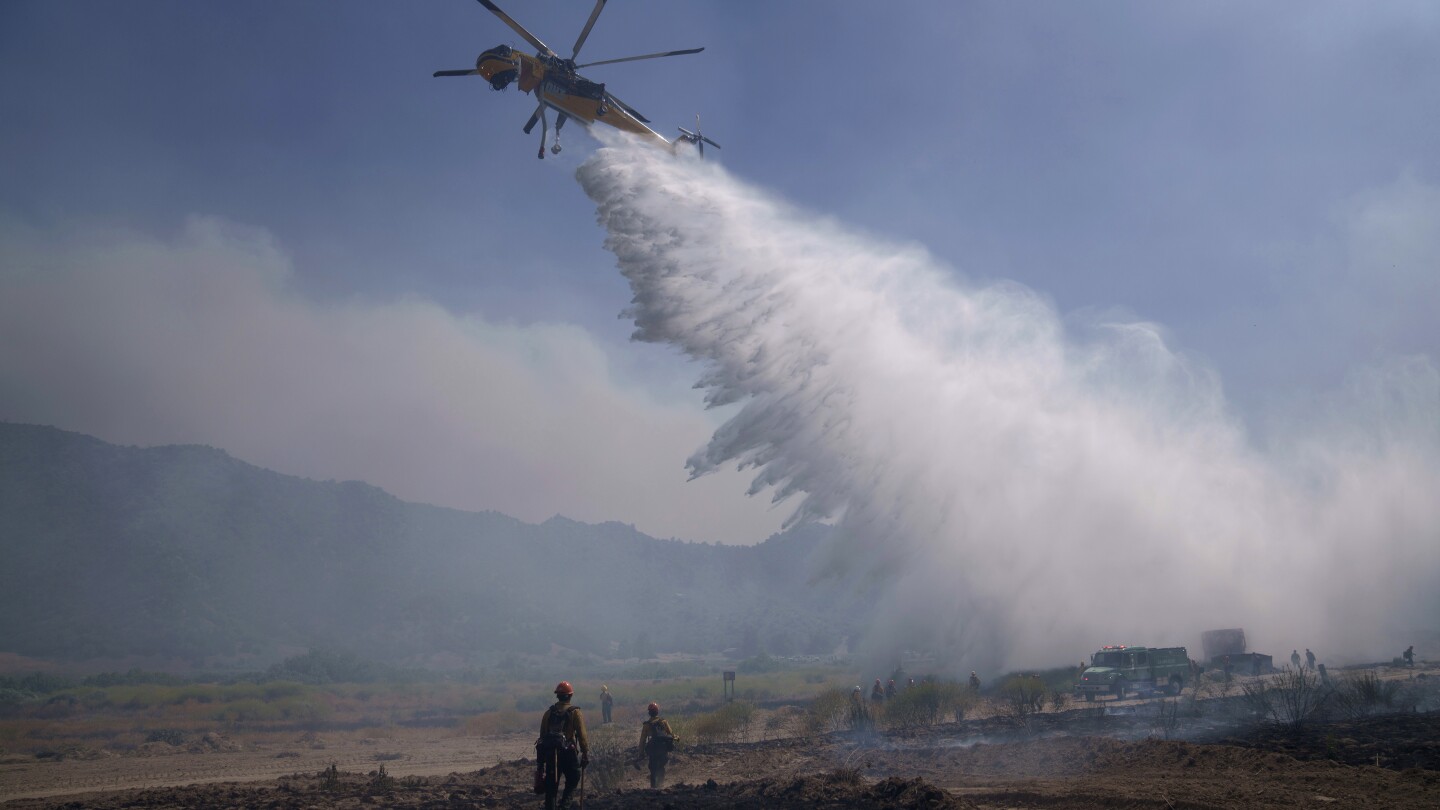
[1261, 180]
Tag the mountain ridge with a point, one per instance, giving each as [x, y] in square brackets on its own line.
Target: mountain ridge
[185, 551]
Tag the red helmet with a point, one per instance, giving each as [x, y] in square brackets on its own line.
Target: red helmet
[653, 709]
[877, 681]
[564, 688]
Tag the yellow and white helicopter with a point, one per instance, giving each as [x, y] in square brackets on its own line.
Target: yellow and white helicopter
[558, 86]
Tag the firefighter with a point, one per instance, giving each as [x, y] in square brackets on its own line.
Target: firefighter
[1295, 660]
[974, 681]
[1309, 659]
[607, 702]
[1409, 656]
[859, 713]
[656, 743]
[562, 731]
[877, 693]
[890, 689]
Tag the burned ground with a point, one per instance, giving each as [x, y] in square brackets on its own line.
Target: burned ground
[1059, 761]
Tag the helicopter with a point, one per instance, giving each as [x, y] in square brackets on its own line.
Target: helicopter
[558, 86]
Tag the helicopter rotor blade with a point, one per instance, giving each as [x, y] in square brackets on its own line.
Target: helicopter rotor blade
[590, 23]
[645, 56]
[517, 27]
[470, 72]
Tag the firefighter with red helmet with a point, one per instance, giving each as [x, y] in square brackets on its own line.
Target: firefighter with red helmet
[656, 743]
[562, 748]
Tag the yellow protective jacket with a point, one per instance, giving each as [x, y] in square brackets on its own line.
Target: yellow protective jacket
[649, 727]
[574, 724]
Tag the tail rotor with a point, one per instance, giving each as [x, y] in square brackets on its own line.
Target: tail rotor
[696, 137]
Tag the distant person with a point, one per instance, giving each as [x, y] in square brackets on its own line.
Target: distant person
[1225, 667]
[890, 689]
[877, 693]
[910, 683]
[1309, 659]
[562, 730]
[1295, 659]
[607, 702]
[859, 714]
[1409, 656]
[974, 681]
[656, 743]
[1324, 676]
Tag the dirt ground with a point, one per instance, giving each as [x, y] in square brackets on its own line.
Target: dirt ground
[1082, 758]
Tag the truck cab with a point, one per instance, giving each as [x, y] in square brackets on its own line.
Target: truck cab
[1121, 670]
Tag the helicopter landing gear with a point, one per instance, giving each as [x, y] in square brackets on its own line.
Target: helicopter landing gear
[544, 128]
[559, 122]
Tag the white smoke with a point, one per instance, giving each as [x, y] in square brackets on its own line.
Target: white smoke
[1025, 491]
[203, 338]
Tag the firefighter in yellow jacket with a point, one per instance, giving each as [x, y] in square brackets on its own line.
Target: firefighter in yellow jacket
[656, 743]
[562, 747]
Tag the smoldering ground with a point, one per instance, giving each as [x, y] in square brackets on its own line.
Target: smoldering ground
[1023, 486]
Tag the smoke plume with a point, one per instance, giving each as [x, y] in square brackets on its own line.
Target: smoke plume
[1022, 488]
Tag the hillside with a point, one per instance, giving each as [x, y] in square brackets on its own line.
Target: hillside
[185, 552]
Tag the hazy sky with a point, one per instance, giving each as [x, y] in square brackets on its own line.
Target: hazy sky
[263, 226]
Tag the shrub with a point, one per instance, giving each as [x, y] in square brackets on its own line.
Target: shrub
[330, 778]
[1167, 718]
[1059, 699]
[1022, 696]
[172, 736]
[1365, 693]
[784, 722]
[829, 711]
[928, 703]
[611, 752]
[1289, 698]
[15, 698]
[380, 781]
[729, 723]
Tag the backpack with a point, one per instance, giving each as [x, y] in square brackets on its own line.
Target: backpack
[659, 740]
[553, 738]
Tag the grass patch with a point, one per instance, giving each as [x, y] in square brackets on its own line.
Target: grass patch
[729, 723]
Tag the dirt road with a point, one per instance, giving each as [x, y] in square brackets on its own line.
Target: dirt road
[162, 765]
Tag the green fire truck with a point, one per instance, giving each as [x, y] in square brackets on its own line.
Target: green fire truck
[1122, 671]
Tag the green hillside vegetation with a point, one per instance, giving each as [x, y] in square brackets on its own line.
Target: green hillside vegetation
[184, 553]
